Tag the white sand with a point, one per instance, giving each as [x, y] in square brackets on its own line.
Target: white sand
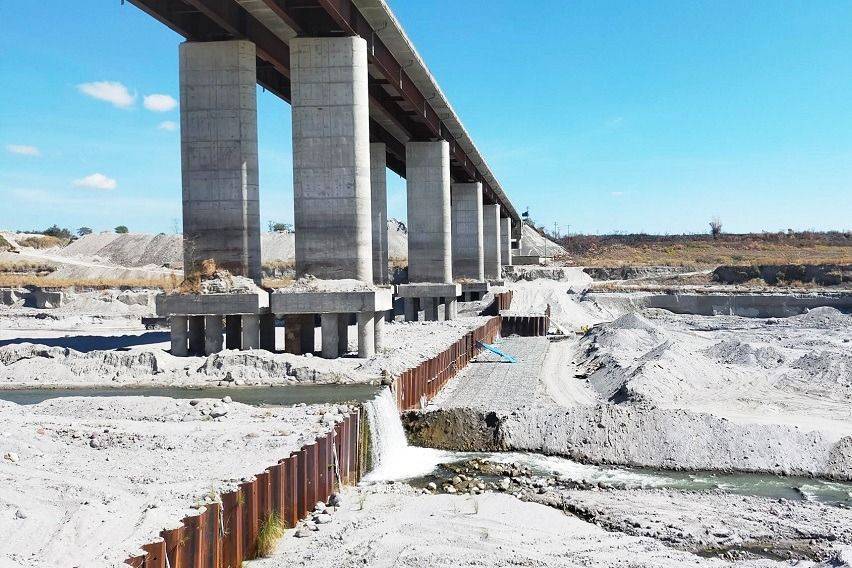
[392, 526]
[97, 477]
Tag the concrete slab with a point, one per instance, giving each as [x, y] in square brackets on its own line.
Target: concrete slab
[212, 304]
[378, 300]
[428, 290]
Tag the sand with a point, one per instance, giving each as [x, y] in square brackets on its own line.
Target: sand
[86, 481]
[395, 526]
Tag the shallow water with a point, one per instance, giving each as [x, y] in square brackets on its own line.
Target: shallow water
[395, 460]
[255, 396]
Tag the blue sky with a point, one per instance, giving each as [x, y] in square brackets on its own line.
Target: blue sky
[599, 116]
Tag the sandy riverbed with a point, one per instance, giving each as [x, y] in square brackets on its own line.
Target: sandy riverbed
[86, 481]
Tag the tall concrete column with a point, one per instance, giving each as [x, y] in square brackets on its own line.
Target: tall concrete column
[506, 241]
[379, 204]
[491, 241]
[251, 331]
[427, 173]
[467, 232]
[331, 157]
[179, 336]
[196, 335]
[299, 333]
[366, 334]
[213, 331]
[218, 132]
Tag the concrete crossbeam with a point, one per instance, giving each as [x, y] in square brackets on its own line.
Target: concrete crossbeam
[379, 205]
[491, 241]
[427, 172]
[467, 231]
[331, 157]
[218, 130]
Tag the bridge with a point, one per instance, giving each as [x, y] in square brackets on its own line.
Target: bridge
[363, 100]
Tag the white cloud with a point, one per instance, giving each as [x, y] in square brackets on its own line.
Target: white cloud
[109, 91]
[96, 181]
[23, 150]
[159, 103]
[169, 125]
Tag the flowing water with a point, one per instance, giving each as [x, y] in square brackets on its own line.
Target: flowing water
[394, 459]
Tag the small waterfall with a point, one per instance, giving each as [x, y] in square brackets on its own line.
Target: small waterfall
[388, 435]
[392, 457]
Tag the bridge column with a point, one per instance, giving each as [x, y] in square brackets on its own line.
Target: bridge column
[506, 241]
[491, 241]
[430, 255]
[467, 232]
[218, 135]
[331, 157]
[379, 203]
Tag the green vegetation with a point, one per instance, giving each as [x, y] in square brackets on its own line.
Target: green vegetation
[43, 242]
[83, 231]
[122, 229]
[271, 531]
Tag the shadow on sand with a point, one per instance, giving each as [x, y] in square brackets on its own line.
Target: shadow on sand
[86, 343]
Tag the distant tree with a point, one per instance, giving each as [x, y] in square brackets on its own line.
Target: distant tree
[280, 227]
[715, 227]
[83, 231]
[55, 231]
[121, 229]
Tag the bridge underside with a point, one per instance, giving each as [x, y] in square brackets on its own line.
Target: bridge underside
[403, 106]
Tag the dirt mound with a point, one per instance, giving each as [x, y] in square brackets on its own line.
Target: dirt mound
[533, 243]
[734, 352]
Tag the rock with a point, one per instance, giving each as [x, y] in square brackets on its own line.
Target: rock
[227, 400]
[19, 514]
[319, 507]
[302, 533]
[11, 456]
[218, 412]
[450, 489]
[457, 480]
[95, 443]
[311, 526]
[194, 402]
[431, 486]
[505, 483]
[322, 518]
[334, 500]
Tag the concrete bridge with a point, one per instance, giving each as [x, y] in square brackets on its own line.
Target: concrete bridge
[362, 101]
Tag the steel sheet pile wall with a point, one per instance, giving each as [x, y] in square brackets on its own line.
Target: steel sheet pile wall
[225, 534]
[502, 301]
[425, 380]
[526, 326]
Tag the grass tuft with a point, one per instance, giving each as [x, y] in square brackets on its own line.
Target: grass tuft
[271, 531]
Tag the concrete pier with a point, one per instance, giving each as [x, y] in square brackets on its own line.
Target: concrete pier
[427, 171]
[179, 336]
[299, 330]
[343, 333]
[267, 332]
[251, 331]
[330, 328]
[213, 331]
[379, 205]
[233, 331]
[467, 232]
[491, 241]
[218, 130]
[196, 335]
[379, 331]
[366, 334]
[506, 241]
[331, 157]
